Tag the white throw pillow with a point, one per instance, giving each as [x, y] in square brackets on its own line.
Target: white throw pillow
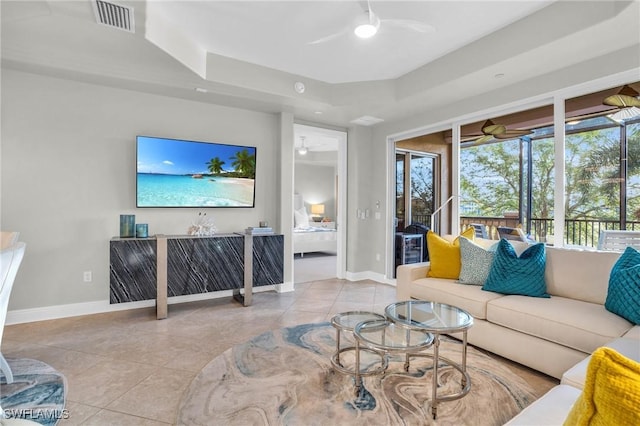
[301, 218]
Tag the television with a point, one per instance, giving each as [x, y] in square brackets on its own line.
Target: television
[184, 173]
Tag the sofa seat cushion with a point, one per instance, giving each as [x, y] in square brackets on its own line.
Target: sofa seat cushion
[470, 298]
[576, 375]
[579, 325]
[551, 409]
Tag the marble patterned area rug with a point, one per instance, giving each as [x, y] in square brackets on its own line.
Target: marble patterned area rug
[37, 393]
[284, 377]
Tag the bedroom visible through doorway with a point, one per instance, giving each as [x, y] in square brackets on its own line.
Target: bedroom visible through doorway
[318, 234]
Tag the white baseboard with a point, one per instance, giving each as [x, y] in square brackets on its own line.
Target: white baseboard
[100, 306]
[44, 313]
[369, 275]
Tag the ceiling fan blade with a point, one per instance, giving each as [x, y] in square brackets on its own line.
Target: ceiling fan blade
[493, 129]
[518, 132]
[483, 139]
[330, 37]
[410, 24]
[511, 134]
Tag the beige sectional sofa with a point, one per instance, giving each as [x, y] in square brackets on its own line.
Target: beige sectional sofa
[554, 406]
[547, 334]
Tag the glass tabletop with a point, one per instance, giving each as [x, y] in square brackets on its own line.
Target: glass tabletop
[385, 335]
[429, 316]
[348, 320]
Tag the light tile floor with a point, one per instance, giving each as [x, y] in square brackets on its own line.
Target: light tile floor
[127, 368]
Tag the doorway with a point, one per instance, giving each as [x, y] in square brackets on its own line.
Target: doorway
[319, 234]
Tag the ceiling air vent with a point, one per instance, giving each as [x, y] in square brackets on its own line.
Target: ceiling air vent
[114, 16]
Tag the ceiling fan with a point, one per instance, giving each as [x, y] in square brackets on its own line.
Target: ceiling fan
[625, 98]
[490, 130]
[627, 102]
[368, 23]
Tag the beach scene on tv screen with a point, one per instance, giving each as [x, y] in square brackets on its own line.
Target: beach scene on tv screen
[178, 173]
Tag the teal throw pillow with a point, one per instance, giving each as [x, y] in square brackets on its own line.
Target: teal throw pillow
[476, 262]
[623, 295]
[524, 275]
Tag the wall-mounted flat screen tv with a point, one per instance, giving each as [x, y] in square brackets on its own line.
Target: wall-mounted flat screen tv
[182, 173]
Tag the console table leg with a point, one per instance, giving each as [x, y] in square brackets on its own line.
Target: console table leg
[161, 278]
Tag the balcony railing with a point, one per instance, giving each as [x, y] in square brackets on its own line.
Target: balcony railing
[579, 232]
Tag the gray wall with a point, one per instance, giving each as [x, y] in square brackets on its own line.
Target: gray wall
[317, 185]
[68, 172]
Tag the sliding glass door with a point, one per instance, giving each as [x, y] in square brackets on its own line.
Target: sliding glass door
[415, 188]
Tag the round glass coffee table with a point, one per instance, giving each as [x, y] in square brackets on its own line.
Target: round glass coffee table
[436, 318]
[382, 335]
[345, 323]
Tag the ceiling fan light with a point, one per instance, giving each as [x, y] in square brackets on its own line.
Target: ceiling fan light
[365, 30]
[366, 25]
[303, 149]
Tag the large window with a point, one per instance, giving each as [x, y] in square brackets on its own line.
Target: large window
[511, 182]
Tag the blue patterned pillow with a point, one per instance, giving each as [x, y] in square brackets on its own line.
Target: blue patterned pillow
[476, 262]
[524, 275]
[623, 295]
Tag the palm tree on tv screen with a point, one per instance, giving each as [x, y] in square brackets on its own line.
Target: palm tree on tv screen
[244, 163]
[215, 165]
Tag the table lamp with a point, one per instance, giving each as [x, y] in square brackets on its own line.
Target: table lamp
[318, 211]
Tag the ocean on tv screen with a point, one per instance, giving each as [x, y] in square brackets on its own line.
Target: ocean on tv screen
[164, 190]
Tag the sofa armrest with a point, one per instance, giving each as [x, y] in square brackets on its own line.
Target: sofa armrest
[406, 275]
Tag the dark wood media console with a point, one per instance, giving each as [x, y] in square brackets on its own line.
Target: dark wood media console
[166, 266]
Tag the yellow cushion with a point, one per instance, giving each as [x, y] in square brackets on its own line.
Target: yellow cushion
[444, 256]
[611, 394]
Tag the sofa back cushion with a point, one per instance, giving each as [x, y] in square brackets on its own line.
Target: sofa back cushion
[579, 274]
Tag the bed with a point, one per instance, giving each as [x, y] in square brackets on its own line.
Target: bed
[309, 236]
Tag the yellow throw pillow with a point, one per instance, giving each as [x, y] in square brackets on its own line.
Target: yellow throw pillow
[611, 394]
[444, 256]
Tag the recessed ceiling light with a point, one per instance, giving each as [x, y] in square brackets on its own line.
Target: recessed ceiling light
[499, 75]
[201, 90]
[318, 112]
